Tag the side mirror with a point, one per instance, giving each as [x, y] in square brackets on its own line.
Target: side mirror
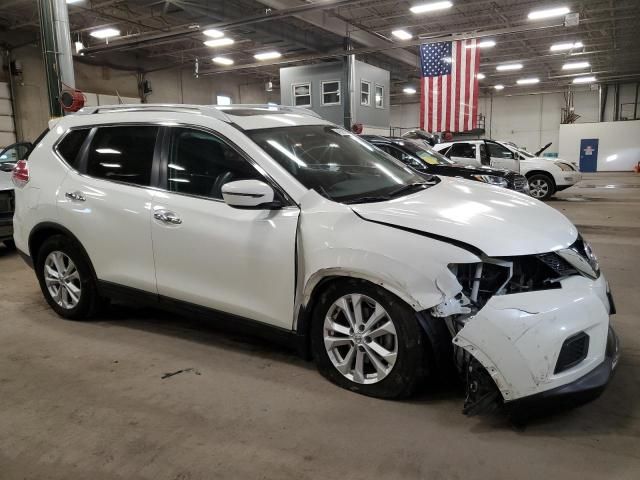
[249, 194]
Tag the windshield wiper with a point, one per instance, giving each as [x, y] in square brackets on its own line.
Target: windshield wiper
[380, 198]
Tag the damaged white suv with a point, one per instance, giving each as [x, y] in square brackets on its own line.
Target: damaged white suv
[271, 216]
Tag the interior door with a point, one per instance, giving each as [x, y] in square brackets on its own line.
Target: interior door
[107, 206]
[210, 254]
[502, 157]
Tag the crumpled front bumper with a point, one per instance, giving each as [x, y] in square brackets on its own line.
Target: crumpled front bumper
[518, 339]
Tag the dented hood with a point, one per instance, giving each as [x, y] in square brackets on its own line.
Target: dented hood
[497, 221]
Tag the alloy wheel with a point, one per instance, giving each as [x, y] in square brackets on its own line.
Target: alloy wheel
[538, 188]
[360, 339]
[62, 279]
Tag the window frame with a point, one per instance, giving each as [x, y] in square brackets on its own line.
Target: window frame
[475, 147]
[163, 161]
[323, 93]
[488, 143]
[294, 96]
[368, 102]
[382, 102]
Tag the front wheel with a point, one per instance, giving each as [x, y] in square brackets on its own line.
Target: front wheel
[367, 340]
[541, 187]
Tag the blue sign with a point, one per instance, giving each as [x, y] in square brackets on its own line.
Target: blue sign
[589, 155]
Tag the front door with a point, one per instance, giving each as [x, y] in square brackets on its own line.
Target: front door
[502, 157]
[464, 153]
[107, 202]
[210, 254]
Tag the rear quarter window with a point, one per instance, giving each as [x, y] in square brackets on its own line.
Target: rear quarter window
[70, 146]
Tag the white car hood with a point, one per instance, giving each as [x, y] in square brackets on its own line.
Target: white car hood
[495, 220]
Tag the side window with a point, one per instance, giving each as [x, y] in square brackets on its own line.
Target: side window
[330, 93]
[200, 164]
[302, 94]
[464, 150]
[365, 93]
[69, 147]
[123, 154]
[498, 151]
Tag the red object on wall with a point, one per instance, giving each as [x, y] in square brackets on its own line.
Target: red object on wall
[72, 100]
[357, 128]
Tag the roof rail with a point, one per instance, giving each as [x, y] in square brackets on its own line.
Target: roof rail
[155, 107]
[272, 108]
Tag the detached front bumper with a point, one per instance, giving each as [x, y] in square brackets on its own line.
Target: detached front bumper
[521, 340]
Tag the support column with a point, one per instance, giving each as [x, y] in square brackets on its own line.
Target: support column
[349, 78]
[56, 50]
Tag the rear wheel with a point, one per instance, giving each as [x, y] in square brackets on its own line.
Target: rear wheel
[66, 279]
[541, 186]
[367, 340]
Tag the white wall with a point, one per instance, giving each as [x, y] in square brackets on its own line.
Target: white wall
[618, 146]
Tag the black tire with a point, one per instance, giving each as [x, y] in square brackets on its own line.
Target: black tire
[10, 244]
[410, 366]
[542, 183]
[89, 300]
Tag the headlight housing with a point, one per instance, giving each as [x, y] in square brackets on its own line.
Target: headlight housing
[492, 180]
[581, 256]
[564, 166]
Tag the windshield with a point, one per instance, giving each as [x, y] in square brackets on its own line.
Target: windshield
[335, 163]
[427, 155]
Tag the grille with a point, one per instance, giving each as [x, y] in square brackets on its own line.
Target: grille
[517, 182]
[573, 351]
[558, 264]
[6, 201]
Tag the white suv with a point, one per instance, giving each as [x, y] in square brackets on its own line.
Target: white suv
[546, 176]
[271, 216]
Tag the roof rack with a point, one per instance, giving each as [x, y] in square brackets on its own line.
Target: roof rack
[155, 107]
[219, 112]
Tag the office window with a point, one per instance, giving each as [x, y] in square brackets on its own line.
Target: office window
[331, 93]
[379, 96]
[302, 94]
[365, 93]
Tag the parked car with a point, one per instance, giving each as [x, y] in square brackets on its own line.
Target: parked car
[422, 136]
[273, 217]
[545, 176]
[427, 160]
[8, 158]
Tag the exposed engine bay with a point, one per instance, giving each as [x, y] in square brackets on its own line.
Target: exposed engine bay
[481, 281]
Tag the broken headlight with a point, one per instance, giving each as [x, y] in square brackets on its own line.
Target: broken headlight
[581, 256]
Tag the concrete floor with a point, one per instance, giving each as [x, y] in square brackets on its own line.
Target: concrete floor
[88, 401]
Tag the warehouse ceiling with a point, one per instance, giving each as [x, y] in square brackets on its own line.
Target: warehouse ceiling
[156, 34]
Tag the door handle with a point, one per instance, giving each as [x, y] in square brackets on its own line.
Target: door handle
[165, 216]
[77, 196]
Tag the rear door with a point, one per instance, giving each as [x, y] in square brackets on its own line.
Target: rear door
[502, 157]
[207, 253]
[105, 199]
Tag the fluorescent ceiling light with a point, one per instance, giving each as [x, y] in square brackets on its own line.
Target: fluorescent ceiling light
[267, 55]
[483, 44]
[402, 34]
[222, 60]
[430, 7]
[74, 1]
[213, 33]
[575, 65]
[548, 13]
[509, 66]
[105, 33]
[499, 87]
[527, 81]
[409, 90]
[558, 47]
[79, 47]
[219, 42]
[481, 76]
[584, 80]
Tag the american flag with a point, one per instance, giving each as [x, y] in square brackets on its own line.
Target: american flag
[449, 86]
